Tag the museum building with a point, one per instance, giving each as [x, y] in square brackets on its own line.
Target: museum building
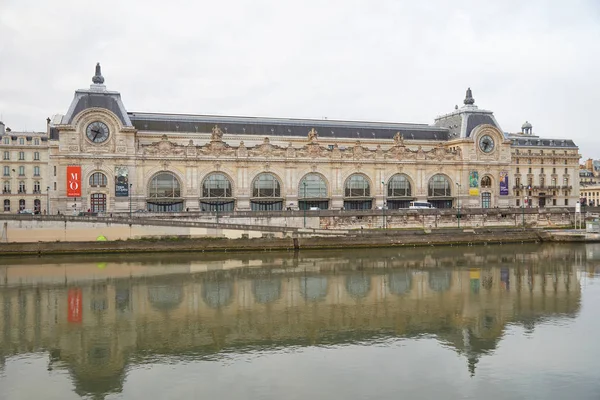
[105, 158]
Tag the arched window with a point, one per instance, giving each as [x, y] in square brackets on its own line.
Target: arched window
[266, 290]
[98, 202]
[6, 187]
[313, 288]
[266, 193]
[37, 206]
[357, 192]
[21, 204]
[217, 294]
[217, 193]
[486, 182]
[439, 191]
[439, 280]
[98, 179]
[6, 205]
[312, 192]
[164, 193]
[399, 192]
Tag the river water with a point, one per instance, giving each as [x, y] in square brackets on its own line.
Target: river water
[484, 322]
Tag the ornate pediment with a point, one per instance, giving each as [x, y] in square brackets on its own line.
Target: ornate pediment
[266, 149]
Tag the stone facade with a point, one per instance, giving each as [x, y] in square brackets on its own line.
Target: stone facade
[169, 163]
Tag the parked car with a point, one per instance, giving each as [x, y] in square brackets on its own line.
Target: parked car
[25, 211]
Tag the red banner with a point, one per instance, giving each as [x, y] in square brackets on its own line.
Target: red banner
[75, 306]
[74, 181]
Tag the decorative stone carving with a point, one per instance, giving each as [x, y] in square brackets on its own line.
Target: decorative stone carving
[379, 152]
[313, 135]
[266, 149]
[290, 152]
[336, 152]
[164, 148]
[217, 134]
[398, 139]
[191, 150]
[242, 151]
[421, 154]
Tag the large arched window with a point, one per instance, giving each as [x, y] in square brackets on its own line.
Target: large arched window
[358, 285]
[6, 205]
[399, 192]
[21, 204]
[216, 193]
[217, 294]
[164, 193]
[440, 191]
[98, 179]
[312, 192]
[266, 193]
[486, 182]
[357, 193]
[313, 288]
[266, 290]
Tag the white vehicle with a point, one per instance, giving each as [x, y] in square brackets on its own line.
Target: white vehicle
[420, 204]
[314, 209]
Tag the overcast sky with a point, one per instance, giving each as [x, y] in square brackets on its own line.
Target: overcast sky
[390, 60]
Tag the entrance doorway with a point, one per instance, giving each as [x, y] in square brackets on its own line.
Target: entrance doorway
[542, 200]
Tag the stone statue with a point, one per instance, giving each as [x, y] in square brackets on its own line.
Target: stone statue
[217, 133]
[313, 135]
[399, 139]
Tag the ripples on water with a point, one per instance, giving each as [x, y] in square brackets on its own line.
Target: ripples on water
[492, 322]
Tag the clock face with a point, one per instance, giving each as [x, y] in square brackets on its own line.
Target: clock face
[97, 132]
[486, 144]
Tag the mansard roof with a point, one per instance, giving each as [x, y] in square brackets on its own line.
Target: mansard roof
[261, 126]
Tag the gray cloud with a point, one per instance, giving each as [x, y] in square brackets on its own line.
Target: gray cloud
[387, 60]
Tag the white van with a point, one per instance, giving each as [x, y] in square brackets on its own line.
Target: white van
[420, 204]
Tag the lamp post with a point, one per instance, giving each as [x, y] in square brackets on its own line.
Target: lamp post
[47, 200]
[305, 204]
[383, 204]
[458, 203]
[523, 204]
[130, 186]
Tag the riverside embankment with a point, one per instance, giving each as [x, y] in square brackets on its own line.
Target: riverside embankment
[359, 239]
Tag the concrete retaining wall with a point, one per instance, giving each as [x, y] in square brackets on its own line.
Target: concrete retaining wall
[386, 239]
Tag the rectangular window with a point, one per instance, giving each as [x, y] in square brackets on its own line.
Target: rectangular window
[553, 202]
[6, 140]
[36, 187]
[22, 189]
[36, 155]
[529, 170]
[36, 171]
[21, 155]
[518, 170]
[21, 141]
[6, 155]
[36, 141]
[54, 185]
[566, 202]
[566, 171]
[518, 202]
[553, 170]
[6, 187]
[55, 170]
[6, 171]
[6, 205]
[21, 171]
[542, 170]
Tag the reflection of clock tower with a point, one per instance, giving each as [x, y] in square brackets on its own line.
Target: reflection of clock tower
[96, 133]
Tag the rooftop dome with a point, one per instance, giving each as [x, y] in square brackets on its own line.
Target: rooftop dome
[526, 125]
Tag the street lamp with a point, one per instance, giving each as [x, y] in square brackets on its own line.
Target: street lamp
[130, 189]
[47, 200]
[383, 205]
[523, 204]
[305, 204]
[458, 203]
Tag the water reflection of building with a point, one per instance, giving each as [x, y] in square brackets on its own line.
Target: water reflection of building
[95, 329]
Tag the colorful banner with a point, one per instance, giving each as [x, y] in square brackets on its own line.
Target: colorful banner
[473, 183]
[75, 312]
[121, 182]
[74, 181]
[504, 183]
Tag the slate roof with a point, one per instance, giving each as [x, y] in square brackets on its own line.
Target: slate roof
[85, 99]
[170, 123]
[537, 142]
